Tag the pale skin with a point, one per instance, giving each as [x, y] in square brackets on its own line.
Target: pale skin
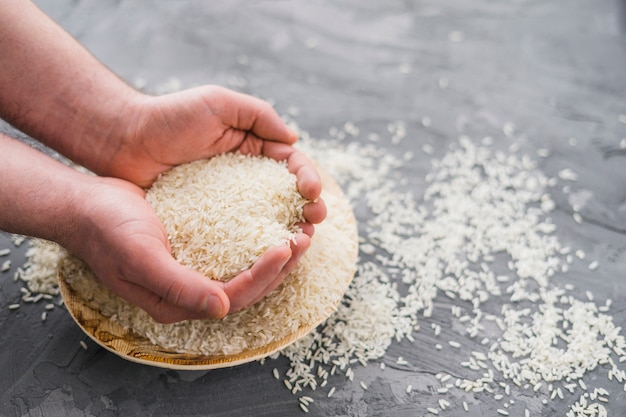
[54, 90]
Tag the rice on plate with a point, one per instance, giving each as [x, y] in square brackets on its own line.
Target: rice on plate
[221, 214]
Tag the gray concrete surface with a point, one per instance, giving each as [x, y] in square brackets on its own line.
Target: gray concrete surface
[555, 68]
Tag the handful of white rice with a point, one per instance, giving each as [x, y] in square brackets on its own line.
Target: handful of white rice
[222, 214]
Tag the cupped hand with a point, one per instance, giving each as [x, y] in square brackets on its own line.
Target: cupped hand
[154, 135]
[125, 244]
[158, 133]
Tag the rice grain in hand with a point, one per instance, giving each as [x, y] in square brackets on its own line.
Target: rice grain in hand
[223, 213]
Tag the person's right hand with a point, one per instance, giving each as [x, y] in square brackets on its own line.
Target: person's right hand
[156, 133]
[118, 235]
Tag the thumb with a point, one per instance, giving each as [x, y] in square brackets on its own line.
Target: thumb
[193, 291]
[173, 292]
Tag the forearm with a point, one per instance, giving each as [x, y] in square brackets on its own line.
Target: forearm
[54, 90]
[39, 196]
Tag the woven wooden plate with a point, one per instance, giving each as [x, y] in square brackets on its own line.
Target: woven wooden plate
[131, 346]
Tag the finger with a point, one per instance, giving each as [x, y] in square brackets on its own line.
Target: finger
[307, 177]
[248, 113]
[315, 212]
[307, 228]
[177, 285]
[302, 243]
[246, 287]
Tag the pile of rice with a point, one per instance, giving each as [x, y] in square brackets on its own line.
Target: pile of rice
[221, 215]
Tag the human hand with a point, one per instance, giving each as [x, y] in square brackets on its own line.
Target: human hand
[117, 234]
[156, 133]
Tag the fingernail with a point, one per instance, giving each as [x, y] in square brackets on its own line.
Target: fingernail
[213, 306]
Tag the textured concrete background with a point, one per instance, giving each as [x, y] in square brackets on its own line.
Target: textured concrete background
[554, 68]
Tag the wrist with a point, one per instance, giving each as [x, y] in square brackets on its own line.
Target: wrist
[59, 94]
[91, 132]
[39, 196]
